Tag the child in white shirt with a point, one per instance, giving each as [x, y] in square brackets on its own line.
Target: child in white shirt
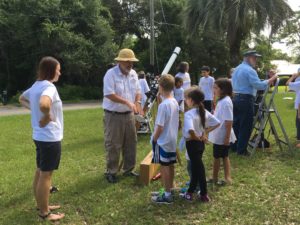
[206, 84]
[197, 122]
[294, 84]
[223, 135]
[144, 88]
[183, 70]
[179, 93]
[164, 138]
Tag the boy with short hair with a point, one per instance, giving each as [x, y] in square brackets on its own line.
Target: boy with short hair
[206, 84]
[164, 138]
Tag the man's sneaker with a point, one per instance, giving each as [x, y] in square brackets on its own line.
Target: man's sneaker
[187, 196]
[130, 174]
[162, 199]
[111, 178]
[204, 198]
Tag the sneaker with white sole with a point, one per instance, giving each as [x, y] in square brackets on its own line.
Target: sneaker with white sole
[187, 196]
[162, 199]
[161, 191]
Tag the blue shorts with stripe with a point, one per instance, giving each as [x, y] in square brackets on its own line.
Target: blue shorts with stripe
[161, 156]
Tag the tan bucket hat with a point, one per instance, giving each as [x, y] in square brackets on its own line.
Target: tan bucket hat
[126, 54]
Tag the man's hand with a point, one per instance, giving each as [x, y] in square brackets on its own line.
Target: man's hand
[132, 107]
[139, 108]
[45, 120]
[270, 81]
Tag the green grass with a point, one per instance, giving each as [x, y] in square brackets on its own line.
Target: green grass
[265, 189]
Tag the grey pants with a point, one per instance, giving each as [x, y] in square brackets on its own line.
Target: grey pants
[119, 136]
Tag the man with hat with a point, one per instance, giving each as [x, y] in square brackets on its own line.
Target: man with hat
[122, 99]
[245, 83]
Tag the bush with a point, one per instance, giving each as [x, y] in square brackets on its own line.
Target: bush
[15, 99]
[77, 93]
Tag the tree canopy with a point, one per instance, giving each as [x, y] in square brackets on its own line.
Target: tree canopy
[86, 35]
[236, 19]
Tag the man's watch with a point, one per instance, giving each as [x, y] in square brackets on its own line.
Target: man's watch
[139, 102]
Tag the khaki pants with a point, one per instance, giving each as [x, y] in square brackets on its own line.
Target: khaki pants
[120, 136]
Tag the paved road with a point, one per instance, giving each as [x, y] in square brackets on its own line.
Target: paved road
[14, 110]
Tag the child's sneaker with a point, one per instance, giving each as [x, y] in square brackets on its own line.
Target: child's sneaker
[183, 190]
[162, 191]
[157, 193]
[187, 196]
[162, 199]
[204, 198]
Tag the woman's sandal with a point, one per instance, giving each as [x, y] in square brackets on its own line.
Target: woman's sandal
[210, 181]
[52, 216]
[53, 189]
[221, 183]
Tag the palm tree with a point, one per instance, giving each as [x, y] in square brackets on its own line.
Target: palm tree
[236, 19]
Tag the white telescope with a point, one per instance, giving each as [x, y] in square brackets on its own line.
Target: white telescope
[171, 61]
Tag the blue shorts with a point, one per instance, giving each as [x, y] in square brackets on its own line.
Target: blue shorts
[161, 156]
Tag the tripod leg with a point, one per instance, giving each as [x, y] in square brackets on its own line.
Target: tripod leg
[274, 131]
[282, 128]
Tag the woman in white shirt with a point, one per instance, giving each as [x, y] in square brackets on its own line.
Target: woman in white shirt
[183, 70]
[47, 132]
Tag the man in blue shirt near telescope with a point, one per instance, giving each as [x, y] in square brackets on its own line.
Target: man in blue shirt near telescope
[245, 83]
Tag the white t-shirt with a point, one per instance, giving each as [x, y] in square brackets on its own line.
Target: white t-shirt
[144, 89]
[223, 112]
[168, 118]
[206, 84]
[179, 96]
[125, 86]
[53, 131]
[186, 80]
[295, 86]
[192, 122]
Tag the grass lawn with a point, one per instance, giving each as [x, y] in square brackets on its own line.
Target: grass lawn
[265, 188]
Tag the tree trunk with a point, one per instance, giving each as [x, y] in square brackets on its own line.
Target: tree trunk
[234, 51]
[234, 39]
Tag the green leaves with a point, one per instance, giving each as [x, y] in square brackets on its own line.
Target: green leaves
[236, 19]
[75, 32]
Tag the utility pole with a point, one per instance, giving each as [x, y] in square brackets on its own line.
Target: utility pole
[152, 33]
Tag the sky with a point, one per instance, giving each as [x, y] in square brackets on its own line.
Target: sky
[295, 5]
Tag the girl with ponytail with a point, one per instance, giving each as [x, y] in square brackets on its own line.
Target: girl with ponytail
[198, 122]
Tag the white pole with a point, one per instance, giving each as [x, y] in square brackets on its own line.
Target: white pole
[171, 61]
